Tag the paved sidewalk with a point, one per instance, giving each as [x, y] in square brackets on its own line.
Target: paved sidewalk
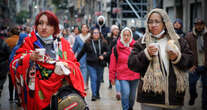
[107, 102]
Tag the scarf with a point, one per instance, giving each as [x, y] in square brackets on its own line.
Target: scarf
[46, 40]
[156, 76]
[84, 38]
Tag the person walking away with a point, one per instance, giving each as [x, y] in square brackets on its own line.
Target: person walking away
[163, 59]
[96, 50]
[119, 69]
[197, 40]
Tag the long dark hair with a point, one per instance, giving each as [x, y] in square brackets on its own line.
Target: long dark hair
[91, 36]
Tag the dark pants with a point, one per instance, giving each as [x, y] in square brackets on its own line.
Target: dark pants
[201, 71]
[11, 89]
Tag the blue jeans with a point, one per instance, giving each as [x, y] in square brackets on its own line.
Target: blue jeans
[200, 71]
[128, 93]
[148, 107]
[117, 85]
[95, 76]
[84, 74]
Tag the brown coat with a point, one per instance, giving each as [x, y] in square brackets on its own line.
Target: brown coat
[12, 41]
[138, 62]
[191, 37]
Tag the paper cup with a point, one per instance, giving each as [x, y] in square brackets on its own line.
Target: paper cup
[41, 51]
[156, 45]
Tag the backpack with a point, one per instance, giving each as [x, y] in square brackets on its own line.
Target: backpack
[67, 98]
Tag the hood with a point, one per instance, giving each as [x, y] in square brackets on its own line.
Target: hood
[100, 18]
[204, 31]
[120, 45]
[122, 40]
[168, 27]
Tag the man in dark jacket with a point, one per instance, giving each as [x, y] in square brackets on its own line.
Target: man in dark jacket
[197, 40]
[102, 26]
[4, 56]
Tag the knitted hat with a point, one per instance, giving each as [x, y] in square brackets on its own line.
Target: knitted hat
[179, 21]
[198, 20]
[114, 27]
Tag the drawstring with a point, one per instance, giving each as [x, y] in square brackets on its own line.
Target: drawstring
[99, 46]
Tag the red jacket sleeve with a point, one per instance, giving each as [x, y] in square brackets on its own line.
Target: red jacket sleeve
[112, 66]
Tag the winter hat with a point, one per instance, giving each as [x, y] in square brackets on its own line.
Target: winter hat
[179, 21]
[114, 27]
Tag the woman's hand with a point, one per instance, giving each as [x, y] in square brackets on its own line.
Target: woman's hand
[35, 56]
[172, 55]
[152, 50]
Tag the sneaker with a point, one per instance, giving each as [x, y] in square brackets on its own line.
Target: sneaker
[93, 98]
[110, 86]
[98, 97]
[10, 100]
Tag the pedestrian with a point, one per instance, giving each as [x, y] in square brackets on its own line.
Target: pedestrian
[44, 63]
[162, 58]
[197, 40]
[11, 42]
[71, 38]
[4, 56]
[112, 40]
[96, 50]
[178, 26]
[119, 69]
[77, 47]
[101, 25]
[135, 35]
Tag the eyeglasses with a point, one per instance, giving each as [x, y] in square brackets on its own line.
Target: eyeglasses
[155, 22]
[95, 32]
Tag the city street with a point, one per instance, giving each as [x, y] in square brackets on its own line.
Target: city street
[107, 101]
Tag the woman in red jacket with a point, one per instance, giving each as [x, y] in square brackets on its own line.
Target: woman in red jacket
[119, 69]
[38, 75]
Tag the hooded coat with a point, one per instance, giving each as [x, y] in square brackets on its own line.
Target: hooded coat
[192, 38]
[175, 80]
[102, 27]
[119, 66]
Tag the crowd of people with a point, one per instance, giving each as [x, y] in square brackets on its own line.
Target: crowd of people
[151, 68]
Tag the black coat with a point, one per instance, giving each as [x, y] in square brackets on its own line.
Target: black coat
[92, 58]
[4, 56]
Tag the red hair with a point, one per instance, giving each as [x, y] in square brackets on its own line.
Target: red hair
[52, 20]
